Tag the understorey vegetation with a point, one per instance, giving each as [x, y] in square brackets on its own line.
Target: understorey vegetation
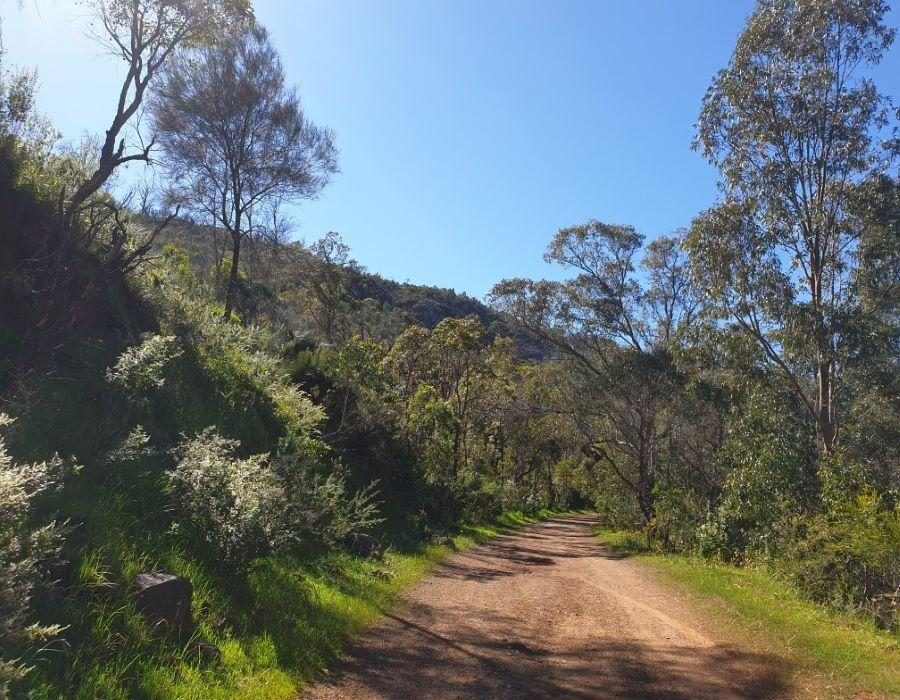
[286, 439]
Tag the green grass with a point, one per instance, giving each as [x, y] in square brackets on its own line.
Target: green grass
[278, 625]
[833, 654]
[310, 611]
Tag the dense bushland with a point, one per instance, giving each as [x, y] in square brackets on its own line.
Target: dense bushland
[249, 411]
[247, 451]
[737, 384]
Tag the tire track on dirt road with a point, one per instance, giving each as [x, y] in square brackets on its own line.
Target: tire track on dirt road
[541, 612]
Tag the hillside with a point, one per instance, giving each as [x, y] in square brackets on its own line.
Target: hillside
[224, 455]
[371, 305]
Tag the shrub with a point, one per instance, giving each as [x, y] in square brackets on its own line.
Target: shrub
[241, 361]
[769, 458]
[229, 501]
[21, 547]
[319, 507]
[676, 516]
[135, 446]
[246, 508]
[849, 553]
[141, 368]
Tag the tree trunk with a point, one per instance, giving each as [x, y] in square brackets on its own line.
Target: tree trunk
[646, 501]
[231, 289]
[827, 418]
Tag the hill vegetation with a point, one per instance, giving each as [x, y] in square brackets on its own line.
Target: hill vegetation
[292, 437]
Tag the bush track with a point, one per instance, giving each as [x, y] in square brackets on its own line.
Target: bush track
[547, 611]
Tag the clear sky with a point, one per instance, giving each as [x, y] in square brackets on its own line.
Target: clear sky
[469, 130]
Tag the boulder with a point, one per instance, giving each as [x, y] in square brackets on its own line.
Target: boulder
[165, 600]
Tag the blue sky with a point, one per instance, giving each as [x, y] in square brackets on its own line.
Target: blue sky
[469, 130]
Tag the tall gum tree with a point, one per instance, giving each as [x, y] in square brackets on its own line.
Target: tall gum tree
[145, 35]
[616, 330]
[235, 140]
[794, 125]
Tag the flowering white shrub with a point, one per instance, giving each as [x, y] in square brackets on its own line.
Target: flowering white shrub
[249, 507]
[240, 359]
[239, 356]
[20, 549]
[142, 367]
[233, 503]
[135, 446]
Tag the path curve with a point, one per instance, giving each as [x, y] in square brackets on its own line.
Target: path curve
[547, 612]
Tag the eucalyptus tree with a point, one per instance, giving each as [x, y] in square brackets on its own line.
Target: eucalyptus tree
[91, 240]
[615, 332]
[439, 376]
[145, 35]
[326, 294]
[235, 140]
[871, 376]
[794, 124]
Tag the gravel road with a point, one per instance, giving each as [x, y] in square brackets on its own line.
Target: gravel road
[547, 612]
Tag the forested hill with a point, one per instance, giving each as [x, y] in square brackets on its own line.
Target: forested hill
[283, 440]
[326, 295]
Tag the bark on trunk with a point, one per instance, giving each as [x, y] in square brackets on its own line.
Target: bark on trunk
[827, 418]
[231, 290]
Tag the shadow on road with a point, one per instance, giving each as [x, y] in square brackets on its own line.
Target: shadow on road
[546, 612]
[436, 666]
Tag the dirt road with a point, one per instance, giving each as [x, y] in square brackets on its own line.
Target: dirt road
[547, 612]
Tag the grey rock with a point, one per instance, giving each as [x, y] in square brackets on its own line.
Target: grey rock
[165, 600]
[447, 542]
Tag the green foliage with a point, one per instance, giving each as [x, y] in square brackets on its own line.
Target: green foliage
[444, 405]
[848, 553]
[142, 367]
[691, 380]
[793, 124]
[21, 548]
[201, 370]
[233, 504]
[677, 518]
[245, 508]
[768, 454]
[617, 510]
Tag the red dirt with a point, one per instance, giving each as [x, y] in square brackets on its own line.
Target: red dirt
[541, 612]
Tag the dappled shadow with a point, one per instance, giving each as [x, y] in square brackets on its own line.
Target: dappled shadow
[408, 658]
[546, 612]
[515, 552]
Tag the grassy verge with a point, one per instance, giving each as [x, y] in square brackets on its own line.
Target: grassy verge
[315, 609]
[277, 625]
[833, 654]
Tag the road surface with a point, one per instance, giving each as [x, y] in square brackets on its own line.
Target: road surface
[547, 612]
